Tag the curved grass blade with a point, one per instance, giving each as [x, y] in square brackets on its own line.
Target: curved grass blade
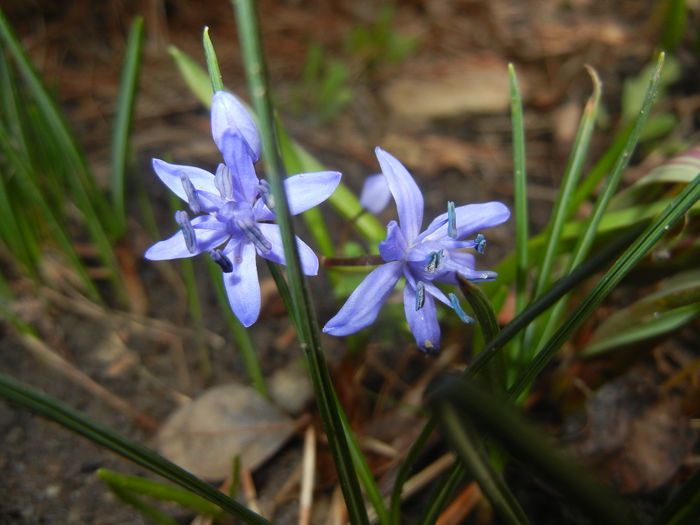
[217, 82]
[301, 303]
[680, 205]
[79, 423]
[159, 490]
[520, 200]
[122, 123]
[502, 424]
[461, 434]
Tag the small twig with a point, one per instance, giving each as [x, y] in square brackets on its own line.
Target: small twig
[362, 260]
[45, 354]
[307, 477]
[461, 506]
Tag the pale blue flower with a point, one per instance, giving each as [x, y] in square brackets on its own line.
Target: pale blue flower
[423, 258]
[375, 194]
[236, 208]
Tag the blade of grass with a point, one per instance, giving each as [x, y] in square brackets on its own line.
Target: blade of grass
[160, 491]
[77, 422]
[463, 438]
[302, 305]
[147, 510]
[520, 201]
[675, 211]
[562, 210]
[123, 119]
[583, 246]
[505, 426]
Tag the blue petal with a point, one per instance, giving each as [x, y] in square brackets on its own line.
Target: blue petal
[309, 261]
[170, 175]
[471, 219]
[363, 305]
[423, 323]
[242, 286]
[375, 194]
[409, 200]
[237, 158]
[209, 235]
[306, 190]
[463, 264]
[229, 116]
[394, 247]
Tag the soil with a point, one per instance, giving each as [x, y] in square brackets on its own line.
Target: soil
[460, 150]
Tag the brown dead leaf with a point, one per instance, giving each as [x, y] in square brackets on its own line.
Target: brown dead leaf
[636, 437]
[205, 435]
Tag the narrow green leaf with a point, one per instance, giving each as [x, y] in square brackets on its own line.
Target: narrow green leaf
[148, 511]
[194, 76]
[160, 491]
[463, 438]
[124, 115]
[502, 424]
[52, 409]
[680, 205]
[301, 302]
[217, 82]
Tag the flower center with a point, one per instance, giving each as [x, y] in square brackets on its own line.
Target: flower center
[239, 219]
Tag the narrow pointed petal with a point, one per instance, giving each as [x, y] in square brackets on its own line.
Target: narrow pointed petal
[463, 264]
[242, 285]
[394, 247]
[171, 174]
[470, 219]
[209, 235]
[237, 158]
[375, 195]
[309, 260]
[363, 305]
[409, 199]
[307, 190]
[423, 323]
[228, 115]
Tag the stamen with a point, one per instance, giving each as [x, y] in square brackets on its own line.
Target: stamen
[480, 243]
[451, 220]
[192, 198]
[219, 258]
[454, 300]
[224, 182]
[254, 234]
[420, 295]
[430, 347]
[266, 194]
[434, 261]
[183, 221]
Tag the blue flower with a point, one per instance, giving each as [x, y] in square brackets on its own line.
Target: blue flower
[234, 208]
[423, 258]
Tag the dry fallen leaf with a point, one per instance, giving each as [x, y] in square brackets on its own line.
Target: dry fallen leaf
[205, 435]
[636, 437]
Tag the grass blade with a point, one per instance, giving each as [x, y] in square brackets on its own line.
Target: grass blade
[675, 211]
[123, 120]
[79, 423]
[302, 305]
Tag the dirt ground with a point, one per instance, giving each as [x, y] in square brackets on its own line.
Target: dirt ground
[443, 109]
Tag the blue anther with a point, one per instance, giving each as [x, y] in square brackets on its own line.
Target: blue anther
[480, 243]
[451, 220]
[454, 300]
[183, 221]
[433, 262]
[191, 194]
[266, 194]
[219, 258]
[420, 295]
[251, 230]
[224, 182]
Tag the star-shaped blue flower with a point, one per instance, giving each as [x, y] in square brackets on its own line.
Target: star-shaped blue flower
[234, 208]
[434, 256]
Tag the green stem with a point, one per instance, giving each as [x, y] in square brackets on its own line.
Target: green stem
[302, 305]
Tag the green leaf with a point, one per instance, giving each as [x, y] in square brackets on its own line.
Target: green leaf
[122, 121]
[675, 305]
[50, 408]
